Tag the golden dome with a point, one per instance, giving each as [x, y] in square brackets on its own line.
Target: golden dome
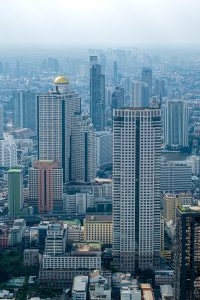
[61, 80]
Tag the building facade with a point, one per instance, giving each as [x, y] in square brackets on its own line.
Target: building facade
[15, 192]
[136, 188]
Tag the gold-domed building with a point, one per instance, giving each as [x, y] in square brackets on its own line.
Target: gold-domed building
[61, 80]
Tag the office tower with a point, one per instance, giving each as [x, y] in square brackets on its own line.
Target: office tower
[52, 65]
[102, 62]
[186, 253]
[147, 78]
[15, 192]
[25, 109]
[175, 177]
[136, 188]
[45, 184]
[118, 98]
[176, 120]
[103, 148]
[140, 94]
[55, 243]
[83, 150]
[8, 152]
[1, 122]
[160, 89]
[170, 203]
[55, 110]
[115, 72]
[97, 97]
[93, 60]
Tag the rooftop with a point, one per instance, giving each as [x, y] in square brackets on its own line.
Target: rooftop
[189, 209]
[15, 170]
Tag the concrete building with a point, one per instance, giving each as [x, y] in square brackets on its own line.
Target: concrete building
[15, 192]
[55, 242]
[25, 109]
[170, 203]
[17, 232]
[83, 150]
[45, 186]
[140, 94]
[186, 253]
[98, 228]
[118, 98]
[103, 148]
[164, 277]
[136, 188]
[31, 257]
[99, 287]
[55, 110]
[77, 204]
[175, 177]
[8, 152]
[167, 292]
[147, 78]
[97, 97]
[176, 120]
[79, 289]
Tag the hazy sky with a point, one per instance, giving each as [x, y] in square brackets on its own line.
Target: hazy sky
[99, 22]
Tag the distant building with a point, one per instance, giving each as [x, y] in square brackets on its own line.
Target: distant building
[99, 286]
[98, 228]
[97, 97]
[15, 192]
[140, 94]
[147, 78]
[176, 120]
[79, 289]
[8, 152]
[77, 204]
[55, 242]
[186, 253]
[118, 97]
[167, 292]
[104, 148]
[164, 277]
[17, 232]
[175, 177]
[45, 184]
[1, 122]
[25, 109]
[147, 292]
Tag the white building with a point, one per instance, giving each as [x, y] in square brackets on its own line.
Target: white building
[8, 152]
[55, 110]
[136, 188]
[78, 203]
[140, 94]
[104, 148]
[79, 289]
[176, 120]
[55, 242]
[99, 287]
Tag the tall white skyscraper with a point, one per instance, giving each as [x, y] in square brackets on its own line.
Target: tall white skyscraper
[8, 152]
[136, 187]
[176, 120]
[83, 149]
[55, 110]
[140, 94]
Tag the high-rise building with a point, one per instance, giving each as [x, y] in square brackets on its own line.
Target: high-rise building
[186, 253]
[8, 152]
[136, 187]
[104, 148]
[118, 98]
[25, 109]
[55, 110]
[176, 120]
[97, 97]
[140, 94]
[83, 149]
[15, 192]
[115, 72]
[147, 78]
[45, 182]
[1, 122]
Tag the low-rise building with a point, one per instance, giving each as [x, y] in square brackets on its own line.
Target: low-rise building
[98, 228]
[31, 257]
[163, 277]
[167, 292]
[79, 289]
[99, 287]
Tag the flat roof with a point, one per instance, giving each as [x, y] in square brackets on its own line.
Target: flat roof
[15, 171]
[189, 209]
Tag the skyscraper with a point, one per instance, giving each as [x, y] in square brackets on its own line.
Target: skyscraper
[45, 184]
[187, 253]
[140, 94]
[8, 152]
[147, 77]
[55, 109]
[115, 72]
[176, 120]
[97, 97]
[136, 188]
[118, 97]
[15, 192]
[83, 149]
[25, 109]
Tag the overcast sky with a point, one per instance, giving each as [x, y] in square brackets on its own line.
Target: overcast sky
[99, 22]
